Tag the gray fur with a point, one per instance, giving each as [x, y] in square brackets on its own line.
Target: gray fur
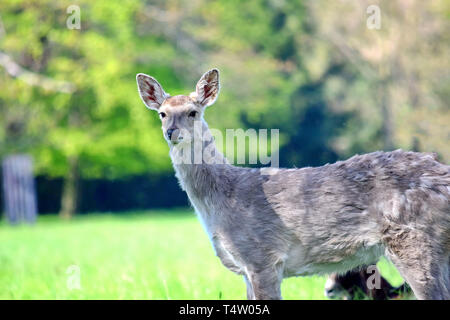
[268, 224]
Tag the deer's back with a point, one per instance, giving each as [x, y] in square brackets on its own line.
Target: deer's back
[400, 186]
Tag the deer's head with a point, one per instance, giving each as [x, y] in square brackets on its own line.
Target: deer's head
[179, 114]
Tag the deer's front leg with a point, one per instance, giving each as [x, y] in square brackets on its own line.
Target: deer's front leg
[250, 293]
[264, 285]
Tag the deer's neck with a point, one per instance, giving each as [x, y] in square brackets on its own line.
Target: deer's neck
[200, 169]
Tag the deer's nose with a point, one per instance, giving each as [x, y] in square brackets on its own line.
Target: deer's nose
[170, 132]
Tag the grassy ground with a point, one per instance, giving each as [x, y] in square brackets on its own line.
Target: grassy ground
[152, 255]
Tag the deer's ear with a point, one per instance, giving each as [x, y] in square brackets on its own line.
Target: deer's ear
[207, 89]
[151, 92]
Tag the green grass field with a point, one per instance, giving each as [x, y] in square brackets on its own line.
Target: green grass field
[150, 255]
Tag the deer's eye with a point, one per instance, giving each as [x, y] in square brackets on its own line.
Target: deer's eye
[162, 115]
[192, 114]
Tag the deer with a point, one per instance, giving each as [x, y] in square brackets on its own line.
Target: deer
[267, 224]
[355, 285]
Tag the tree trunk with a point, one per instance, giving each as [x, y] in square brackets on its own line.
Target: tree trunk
[70, 190]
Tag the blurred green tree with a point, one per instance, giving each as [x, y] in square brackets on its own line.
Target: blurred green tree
[309, 68]
[98, 127]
